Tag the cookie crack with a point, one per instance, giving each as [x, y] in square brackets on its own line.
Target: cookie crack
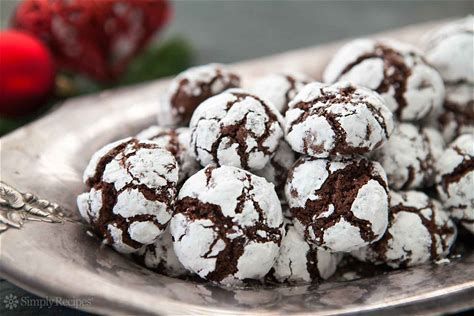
[396, 79]
[223, 226]
[237, 133]
[430, 224]
[320, 107]
[110, 194]
[460, 171]
[348, 180]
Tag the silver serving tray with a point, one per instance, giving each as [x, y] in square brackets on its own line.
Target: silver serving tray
[59, 259]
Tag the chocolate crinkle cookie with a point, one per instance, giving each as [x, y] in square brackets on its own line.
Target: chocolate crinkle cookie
[160, 256]
[228, 225]
[410, 156]
[419, 230]
[451, 49]
[276, 170]
[280, 88]
[301, 262]
[192, 87]
[411, 87]
[237, 129]
[338, 206]
[176, 141]
[453, 124]
[337, 120]
[455, 180]
[133, 187]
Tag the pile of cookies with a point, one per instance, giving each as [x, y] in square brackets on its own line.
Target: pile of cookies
[279, 180]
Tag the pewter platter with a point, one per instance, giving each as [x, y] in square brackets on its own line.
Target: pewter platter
[46, 158]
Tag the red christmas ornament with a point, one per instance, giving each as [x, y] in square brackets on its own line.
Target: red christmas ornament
[95, 37]
[26, 73]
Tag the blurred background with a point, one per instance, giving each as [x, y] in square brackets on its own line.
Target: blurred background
[232, 30]
[178, 34]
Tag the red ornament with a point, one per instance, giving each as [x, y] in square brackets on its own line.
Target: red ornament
[26, 73]
[95, 37]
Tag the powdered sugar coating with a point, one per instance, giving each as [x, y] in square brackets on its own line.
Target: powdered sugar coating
[455, 180]
[276, 170]
[280, 88]
[419, 230]
[334, 120]
[133, 186]
[409, 157]
[299, 261]
[450, 50]
[228, 225]
[237, 129]
[91, 168]
[410, 86]
[453, 124]
[175, 141]
[338, 206]
[192, 87]
[460, 98]
[160, 256]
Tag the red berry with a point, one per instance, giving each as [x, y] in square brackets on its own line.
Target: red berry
[26, 73]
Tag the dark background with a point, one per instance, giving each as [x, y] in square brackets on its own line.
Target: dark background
[230, 30]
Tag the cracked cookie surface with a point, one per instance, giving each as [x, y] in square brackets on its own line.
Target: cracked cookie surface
[176, 141]
[338, 206]
[411, 87]
[409, 157]
[450, 50]
[237, 129]
[227, 225]
[419, 231]
[280, 88]
[455, 180]
[160, 256]
[299, 262]
[453, 124]
[192, 87]
[337, 120]
[132, 190]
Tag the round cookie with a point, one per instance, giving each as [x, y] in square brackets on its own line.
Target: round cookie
[160, 256]
[176, 141]
[133, 186]
[337, 120]
[190, 88]
[237, 129]
[276, 170]
[228, 225]
[460, 99]
[299, 261]
[409, 157]
[450, 50]
[411, 87]
[338, 206]
[280, 88]
[455, 180]
[418, 231]
[453, 124]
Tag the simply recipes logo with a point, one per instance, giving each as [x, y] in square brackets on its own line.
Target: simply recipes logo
[12, 302]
